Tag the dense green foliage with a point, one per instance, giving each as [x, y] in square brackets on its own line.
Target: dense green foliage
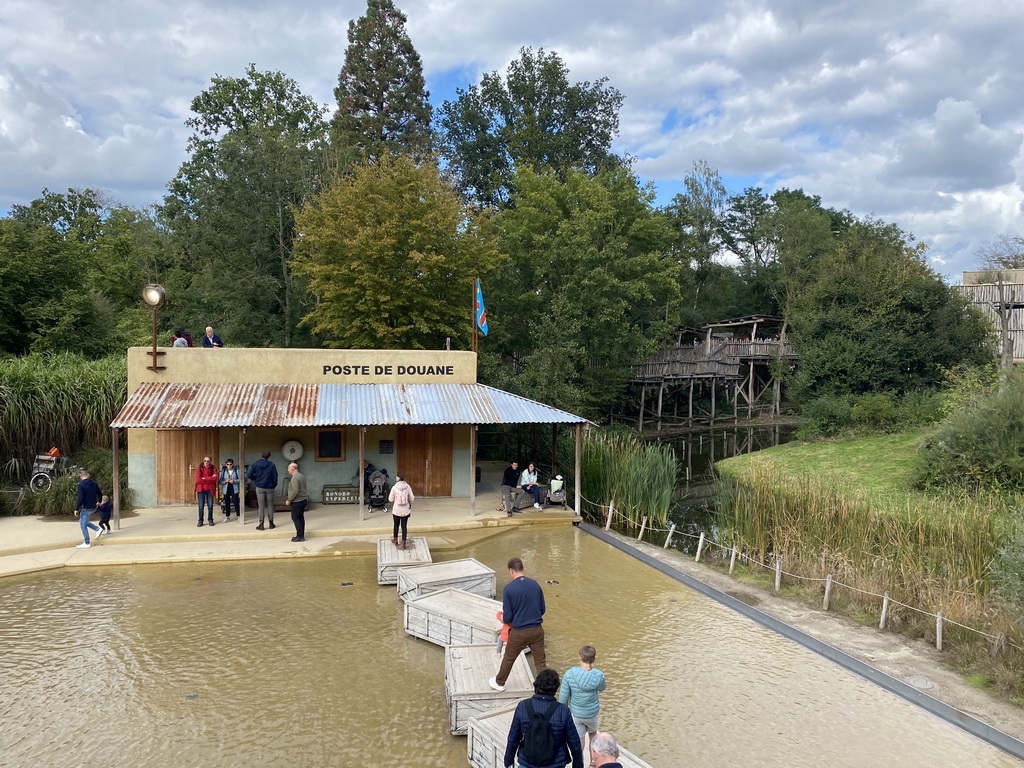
[59, 498]
[398, 275]
[533, 117]
[382, 98]
[979, 446]
[639, 476]
[57, 400]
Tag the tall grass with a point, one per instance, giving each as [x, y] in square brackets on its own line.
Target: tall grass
[63, 400]
[59, 498]
[640, 475]
[935, 553]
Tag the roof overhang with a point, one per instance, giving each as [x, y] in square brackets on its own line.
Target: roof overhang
[197, 406]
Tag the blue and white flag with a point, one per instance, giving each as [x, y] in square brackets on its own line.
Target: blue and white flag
[481, 313]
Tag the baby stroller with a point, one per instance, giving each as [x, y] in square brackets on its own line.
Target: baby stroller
[378, 492]
[556, 492]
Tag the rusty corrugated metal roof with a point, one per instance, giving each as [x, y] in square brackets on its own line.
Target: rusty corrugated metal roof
[183, 406]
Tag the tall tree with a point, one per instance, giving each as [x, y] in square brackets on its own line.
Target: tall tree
[586, 292]
[870, 315]
[382, 98]
[533, 117]
[256, 152]
[1005, 252]
[390, 252]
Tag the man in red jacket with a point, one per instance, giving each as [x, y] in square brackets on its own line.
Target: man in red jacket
[206, 482]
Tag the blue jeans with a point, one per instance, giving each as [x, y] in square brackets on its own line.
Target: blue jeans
[83, 520]
[205, 497]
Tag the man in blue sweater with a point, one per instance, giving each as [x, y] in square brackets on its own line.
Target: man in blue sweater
[89, 495]
[522, 604]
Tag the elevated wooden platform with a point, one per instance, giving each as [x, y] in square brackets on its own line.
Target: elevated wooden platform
[466, 574]
[467, 668]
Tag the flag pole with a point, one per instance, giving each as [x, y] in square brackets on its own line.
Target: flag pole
[472, 313]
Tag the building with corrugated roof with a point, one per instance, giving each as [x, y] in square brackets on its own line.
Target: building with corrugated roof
[413, 412]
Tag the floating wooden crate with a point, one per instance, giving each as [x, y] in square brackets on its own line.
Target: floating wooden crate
[467, 668]
[468, 574]
[390, 558]
[453, 617]
[488, 735]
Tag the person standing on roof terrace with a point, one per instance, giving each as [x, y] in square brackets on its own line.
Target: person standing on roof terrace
[211, 339]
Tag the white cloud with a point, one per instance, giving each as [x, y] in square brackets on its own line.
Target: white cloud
[910, 111]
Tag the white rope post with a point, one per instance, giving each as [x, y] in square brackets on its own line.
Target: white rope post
[885, 610]
[778, 574]
[732, 559]
[828, 592]
[668, 539]
[700, 546]
[611, 511]
[643, 527]
[938, 630]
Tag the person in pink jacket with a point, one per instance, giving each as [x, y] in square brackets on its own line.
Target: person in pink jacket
[401, 497]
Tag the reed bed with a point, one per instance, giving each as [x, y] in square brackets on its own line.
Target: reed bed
[935, 553]
[640, 477]
[62, 400]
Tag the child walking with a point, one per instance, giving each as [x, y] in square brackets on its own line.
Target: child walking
[580, 687]
[105, 508]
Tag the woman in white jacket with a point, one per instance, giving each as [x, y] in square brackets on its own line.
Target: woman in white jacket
[401, 497]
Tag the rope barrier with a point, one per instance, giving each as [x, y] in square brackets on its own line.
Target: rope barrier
[619, 515]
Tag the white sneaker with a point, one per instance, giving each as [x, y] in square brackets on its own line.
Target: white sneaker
[99, 533]
[83, 546]
[537, 506]
[493, 682]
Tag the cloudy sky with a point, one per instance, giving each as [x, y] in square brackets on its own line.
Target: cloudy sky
[910, 111]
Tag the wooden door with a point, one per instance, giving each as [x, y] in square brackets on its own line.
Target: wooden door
[425, 459]
[178, 453]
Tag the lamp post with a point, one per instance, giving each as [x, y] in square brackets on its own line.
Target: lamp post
[154, 297]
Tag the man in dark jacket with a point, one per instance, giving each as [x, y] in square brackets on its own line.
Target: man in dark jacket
[522, 605]
[263, 474]
[89, 495]
[509, 481]
[560, 723]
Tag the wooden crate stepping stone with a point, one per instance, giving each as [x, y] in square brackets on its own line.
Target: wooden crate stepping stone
[488, 735]
[453, 617]
[390, 558]
[467, 574]
[467, 668]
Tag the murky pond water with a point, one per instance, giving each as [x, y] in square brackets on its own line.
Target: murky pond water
[277, 664]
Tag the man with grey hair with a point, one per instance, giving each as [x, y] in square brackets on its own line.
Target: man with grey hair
[298, 498]
[89, 495]
[604, 751]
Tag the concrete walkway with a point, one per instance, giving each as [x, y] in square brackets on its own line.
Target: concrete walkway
[169, 534]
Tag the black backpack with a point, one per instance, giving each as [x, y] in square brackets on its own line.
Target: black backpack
[539, 747]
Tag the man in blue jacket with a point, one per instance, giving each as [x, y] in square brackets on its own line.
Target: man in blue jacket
[263, 474]
[566, 743]
[522, 605]
[89, 495]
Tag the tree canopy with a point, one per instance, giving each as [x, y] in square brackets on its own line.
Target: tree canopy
[532, 117]
[390, 252]
[382, 98]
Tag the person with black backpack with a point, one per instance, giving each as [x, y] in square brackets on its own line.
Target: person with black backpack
[542, 734]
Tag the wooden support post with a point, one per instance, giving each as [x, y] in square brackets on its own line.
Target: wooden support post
[714, 388]
[732, 559]
[643, 527]
[938, 630]
[579, 470]
[885, 610]
[115, 490]
[778, 574]
[472, 467]
[700, 547]
[661, 397]
[640, 421]
[668, 539]
[689, 412]
[828, 592]
[362, 474]
[241, 476]
[611, 511]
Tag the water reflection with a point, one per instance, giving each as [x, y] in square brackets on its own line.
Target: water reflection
[277, 663]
